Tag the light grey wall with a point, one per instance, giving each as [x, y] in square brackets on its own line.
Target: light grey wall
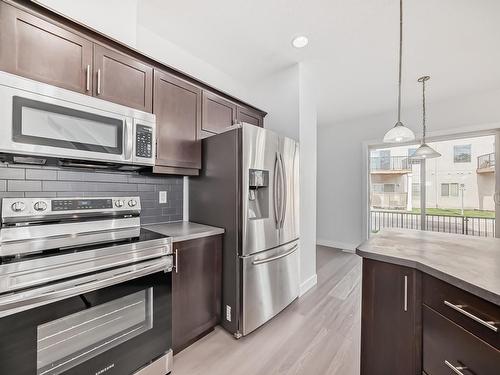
[32, 181]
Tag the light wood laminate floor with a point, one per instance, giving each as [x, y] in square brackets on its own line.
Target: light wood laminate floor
[318, 334]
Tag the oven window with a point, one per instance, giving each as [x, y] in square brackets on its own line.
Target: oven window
[67, 342]
[47, 124]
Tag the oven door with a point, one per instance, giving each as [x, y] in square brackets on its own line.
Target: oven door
[116, 329]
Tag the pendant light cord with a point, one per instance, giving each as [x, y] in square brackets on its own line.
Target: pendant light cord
[423, 110]
[424, 127]
[400, 56]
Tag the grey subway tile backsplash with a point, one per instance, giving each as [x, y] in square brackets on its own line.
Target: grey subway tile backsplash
[46, 182]
[41, 174]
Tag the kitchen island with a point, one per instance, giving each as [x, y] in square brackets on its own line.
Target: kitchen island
[431, 303]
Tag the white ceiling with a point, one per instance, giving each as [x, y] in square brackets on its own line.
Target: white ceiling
[352, 49]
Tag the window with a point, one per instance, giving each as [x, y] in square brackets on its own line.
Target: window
[462, 153]
[384, 188]
[449, 190]
[389, 188]
[445, 190]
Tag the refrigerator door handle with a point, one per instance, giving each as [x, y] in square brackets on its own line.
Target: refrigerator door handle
[267, 260]
[284, 189]
[277, 210]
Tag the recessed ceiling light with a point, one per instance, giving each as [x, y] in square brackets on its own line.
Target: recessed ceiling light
[300, 41]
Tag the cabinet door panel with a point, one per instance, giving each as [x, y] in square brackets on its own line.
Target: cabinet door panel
[36, 49]
[391, 324]
[196, 283]
[122, 79]
[249, 116]
[177, 105]
[218, 113]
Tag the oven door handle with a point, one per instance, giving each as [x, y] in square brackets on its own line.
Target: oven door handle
[26, 300]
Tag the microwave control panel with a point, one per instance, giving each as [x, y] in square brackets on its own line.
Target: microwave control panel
[144, 141]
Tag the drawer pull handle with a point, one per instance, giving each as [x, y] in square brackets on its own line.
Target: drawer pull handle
[456, 369]
[460, 309]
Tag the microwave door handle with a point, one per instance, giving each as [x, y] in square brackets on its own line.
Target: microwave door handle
[12, 303]
[128, 140]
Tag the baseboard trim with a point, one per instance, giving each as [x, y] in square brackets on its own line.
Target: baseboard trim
[345, 246]
[308, 284]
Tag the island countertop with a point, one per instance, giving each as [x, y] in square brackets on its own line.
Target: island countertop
[467, 262]
[184, 230]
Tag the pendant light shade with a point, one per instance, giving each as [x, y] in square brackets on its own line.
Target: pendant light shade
[424, 151]
[399, 133]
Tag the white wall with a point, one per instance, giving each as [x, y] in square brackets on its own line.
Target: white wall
[341, 177]
[115, 18]
[308, 154]
[278, 94]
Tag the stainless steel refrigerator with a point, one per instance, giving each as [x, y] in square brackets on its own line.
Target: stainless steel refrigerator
[249, 185]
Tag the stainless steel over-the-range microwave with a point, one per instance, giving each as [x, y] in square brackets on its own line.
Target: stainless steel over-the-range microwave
[39, 121]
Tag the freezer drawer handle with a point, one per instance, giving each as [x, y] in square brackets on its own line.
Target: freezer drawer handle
[461, 310]
[267, 260]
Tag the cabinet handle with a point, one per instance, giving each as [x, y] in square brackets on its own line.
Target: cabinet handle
[87, 73]
[176, 264]
[98, 81]
[460, 309]
[456, 369]
[406, 294]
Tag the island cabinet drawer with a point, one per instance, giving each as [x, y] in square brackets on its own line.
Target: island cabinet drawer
[476, 315]
[449, 349]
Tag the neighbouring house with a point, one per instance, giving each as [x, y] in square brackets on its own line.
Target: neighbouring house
[463, 177]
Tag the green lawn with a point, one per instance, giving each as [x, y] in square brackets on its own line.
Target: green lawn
[457, 212]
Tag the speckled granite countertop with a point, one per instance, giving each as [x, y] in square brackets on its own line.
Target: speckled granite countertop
[467, 262]
[184, 230]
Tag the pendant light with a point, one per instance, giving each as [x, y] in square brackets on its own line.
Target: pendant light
[399, 133]
[424, 151]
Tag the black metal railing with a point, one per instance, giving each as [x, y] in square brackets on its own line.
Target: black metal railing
[389, 163]
[474, 226]
[486, 161]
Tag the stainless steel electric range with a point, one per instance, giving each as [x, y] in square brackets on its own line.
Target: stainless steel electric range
[84, 290]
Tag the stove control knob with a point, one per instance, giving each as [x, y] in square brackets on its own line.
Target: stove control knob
[18, 206]
[40, 206]
[132, 203]
[119, 203]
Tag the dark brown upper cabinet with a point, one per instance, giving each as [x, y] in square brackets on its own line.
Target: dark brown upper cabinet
[196, 289]
[34, 48]
[122, 79]
[391, 326]
[218, 113]
[177, 106]
[249, 116]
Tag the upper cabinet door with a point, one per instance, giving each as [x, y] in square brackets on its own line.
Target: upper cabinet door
[218, 113]
[121, 79]
[36, 49]
[249, 116]
[177, 106]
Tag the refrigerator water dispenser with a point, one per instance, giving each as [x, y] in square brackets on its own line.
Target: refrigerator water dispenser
[258, 194]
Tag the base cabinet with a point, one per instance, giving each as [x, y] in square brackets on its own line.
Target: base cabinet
[390, 320]
[196, 289]
[413, 323]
